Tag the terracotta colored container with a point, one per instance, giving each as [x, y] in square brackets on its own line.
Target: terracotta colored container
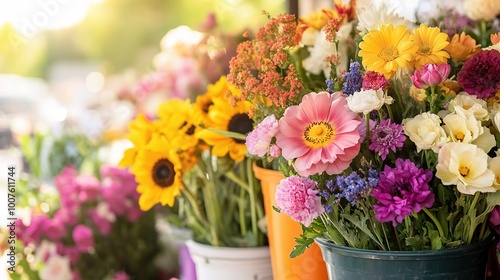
[281, 233]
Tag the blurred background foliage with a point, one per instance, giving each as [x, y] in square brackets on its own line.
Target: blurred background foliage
[121, 34]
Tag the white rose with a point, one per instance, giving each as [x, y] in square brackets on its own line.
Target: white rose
[466, 166]
[470, 105]
[495, 167]
[461, 128]
[56, 268]
[425, 131]
[366, 101]
[481, 9]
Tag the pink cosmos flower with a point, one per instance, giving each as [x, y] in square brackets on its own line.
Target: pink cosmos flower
[83, 237]
[260, 138]
[297, 197]
[321, 134]
[430, 75]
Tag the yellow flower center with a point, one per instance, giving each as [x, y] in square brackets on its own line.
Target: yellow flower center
[163, 173]
[425, 49]
[319, 134]
[460, 136]
[467, 107]
[464, 171]
[389, 53]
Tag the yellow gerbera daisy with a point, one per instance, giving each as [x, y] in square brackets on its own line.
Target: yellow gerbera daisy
[387, 49]
[225, 117]
[159, 176]
[431, 43]
[140, 133]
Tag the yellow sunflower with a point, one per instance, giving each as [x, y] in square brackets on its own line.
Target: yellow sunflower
[218, 90]
[140, 133]
[178, 121]
[431, 43]
[159, 175]
[387, 49]
[223, 116]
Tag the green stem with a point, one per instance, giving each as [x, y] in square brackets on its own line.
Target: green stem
[435, 220]
[389, 111]
[432, 102]
[473, 221]
[241, 202]
[231, 176]
[251, 193]
[386, 239]
[196, 207]
[483, 229]
[398, 240]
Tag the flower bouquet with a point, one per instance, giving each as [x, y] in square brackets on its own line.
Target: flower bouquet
[399, 151]
[193, 157]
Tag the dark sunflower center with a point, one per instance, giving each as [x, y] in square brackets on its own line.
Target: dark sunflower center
[190, 130]
[240, 123]
[163, 173]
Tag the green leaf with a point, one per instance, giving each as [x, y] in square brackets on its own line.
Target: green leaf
[415, 243]
[436, 243]
[301, 247]
[234, 135]
[276, 209]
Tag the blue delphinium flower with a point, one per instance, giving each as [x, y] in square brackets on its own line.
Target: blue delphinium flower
[353, 80]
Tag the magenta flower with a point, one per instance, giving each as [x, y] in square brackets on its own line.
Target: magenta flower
[71, 252]
[103, 224]
[320, 134]
[402, 191]
[88, 186]
[55, 229]
[297, 197]
[494, 219]
[260, 138]
[480, 74]
[430, 75]
[274, 151]
[83, 237]
[374, 80]
[386, 136]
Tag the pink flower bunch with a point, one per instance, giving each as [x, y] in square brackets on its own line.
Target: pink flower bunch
[88, 208]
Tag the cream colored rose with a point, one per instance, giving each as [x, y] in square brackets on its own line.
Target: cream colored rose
[466, 166]
[366, 101]
[425, 131]
[481, 9]
[470, 105]
[462, 129]
[495, 167]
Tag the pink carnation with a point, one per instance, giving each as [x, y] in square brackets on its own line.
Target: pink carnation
[297, 197]
[260, 138]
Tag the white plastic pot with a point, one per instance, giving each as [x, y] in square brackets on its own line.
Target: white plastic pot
[225, 263]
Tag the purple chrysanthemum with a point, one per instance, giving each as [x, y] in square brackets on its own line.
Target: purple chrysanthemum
[386, 136]
[353, 79]
[479, 75]
[298, 198]
[456, 23]
[401, 191]
[374, 80]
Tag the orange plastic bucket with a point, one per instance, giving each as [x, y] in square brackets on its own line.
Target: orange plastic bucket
[281, 233]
